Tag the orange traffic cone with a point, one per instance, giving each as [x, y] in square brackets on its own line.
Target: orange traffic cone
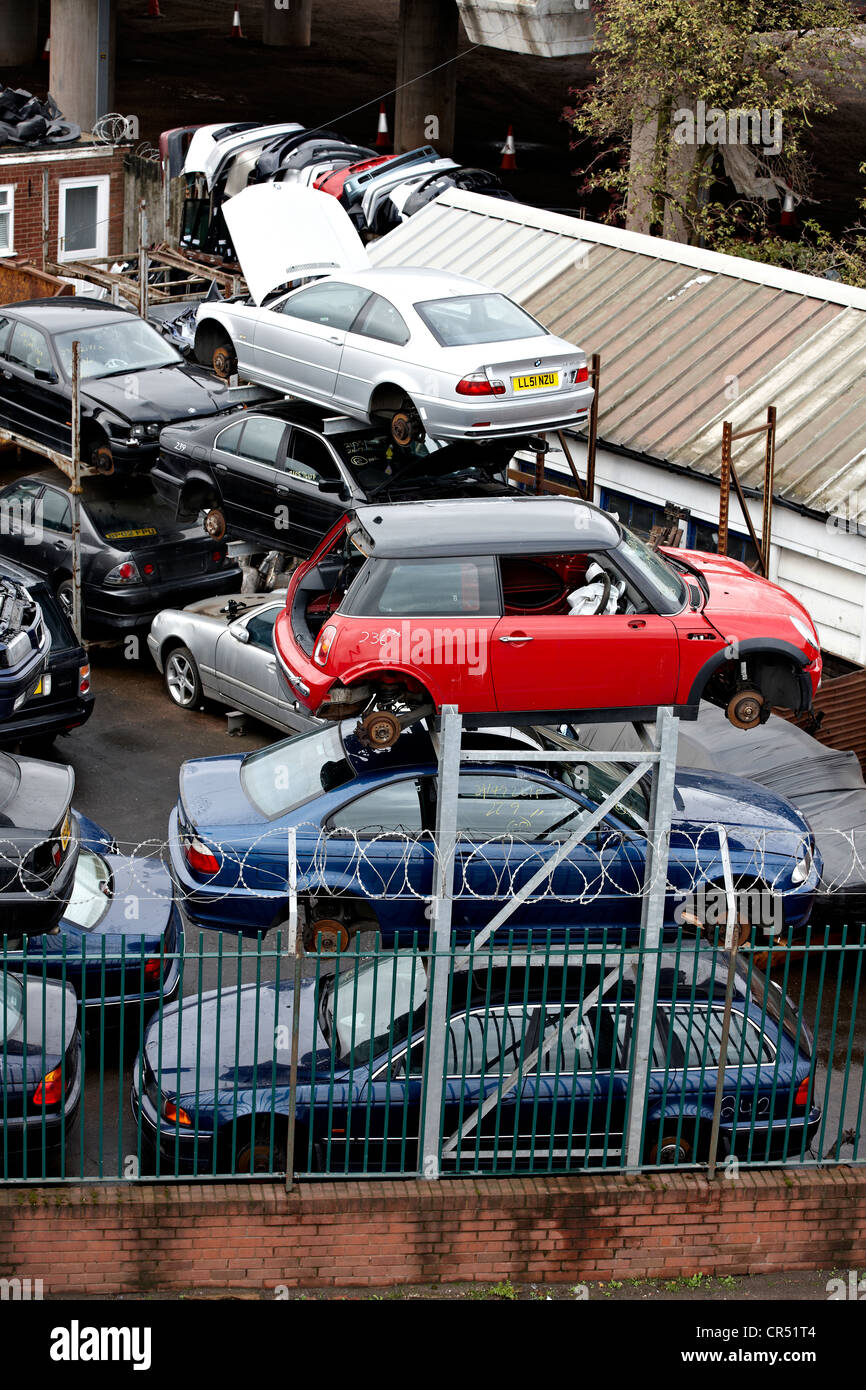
[153, 10]
[46, 52]
[509, 155]
[237, 32]
[789, 216]
[383, 139]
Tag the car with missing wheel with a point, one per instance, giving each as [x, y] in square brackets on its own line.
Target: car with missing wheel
[281, 475]
[532, 604]
[222, 649]
[135, 557]
[364, 822]
[211, 1095]
[132, 381]
[419, 351]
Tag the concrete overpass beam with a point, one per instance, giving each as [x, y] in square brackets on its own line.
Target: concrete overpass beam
[426, 105]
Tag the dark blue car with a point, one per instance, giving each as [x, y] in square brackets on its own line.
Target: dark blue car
[121, 937]
[211, 1088]
[40, 1072]
[24, 645]
[364, 820]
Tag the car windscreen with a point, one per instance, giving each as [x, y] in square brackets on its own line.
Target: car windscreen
[124, 345]
[91, 892]
[11, 1005]
[363, 1011]
[10, 776]
[655, 578]
[283, 776]
[598, 780]
[462, 320]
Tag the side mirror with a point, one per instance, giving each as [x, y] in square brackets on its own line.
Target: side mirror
[330, 485]
[41, 375]
[240, 634]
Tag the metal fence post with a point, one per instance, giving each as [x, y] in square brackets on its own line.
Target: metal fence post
[451, 728]
[295, 946]
[652, 921]
[75, 489]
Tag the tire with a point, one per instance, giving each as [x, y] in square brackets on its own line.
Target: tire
[224, 361]
[65, 597]
[182, 680]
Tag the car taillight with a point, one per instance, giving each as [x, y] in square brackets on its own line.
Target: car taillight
[127, 573]
[218, 557]
[479, 384]
[153, 970]
[174, 1114]
[802, 1096]
[148, 570]
[199, 857]
[83, 680]
[50, 1088]
[324, 644]
[582, 374]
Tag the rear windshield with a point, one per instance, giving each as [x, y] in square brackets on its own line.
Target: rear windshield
[129, 515]
[285, 775]
[11, 1006]
[477, 318]
[91, 892]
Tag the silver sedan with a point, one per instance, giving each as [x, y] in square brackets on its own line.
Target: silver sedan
[221, 649]
[424, 350]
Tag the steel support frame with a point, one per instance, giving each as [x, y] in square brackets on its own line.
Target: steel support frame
[663, 755]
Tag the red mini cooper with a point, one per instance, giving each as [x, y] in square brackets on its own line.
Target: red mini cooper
[536, 605]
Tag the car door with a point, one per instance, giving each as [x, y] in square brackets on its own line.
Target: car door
[41, 402]
[246, 665]
[299, 343]
[376, 348]
[305, 513]
[22, 534]
[555, 660]
[57, 533]
[9, 403]
[574, 1100]
[246, 461]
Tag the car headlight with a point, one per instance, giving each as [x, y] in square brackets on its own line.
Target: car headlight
[803, 866]
[805, 632]
[16, 650]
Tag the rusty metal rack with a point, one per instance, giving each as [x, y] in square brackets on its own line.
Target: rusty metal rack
[163, 264]
[729, 475]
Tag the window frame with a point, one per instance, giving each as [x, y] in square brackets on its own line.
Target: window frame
[10, 189]
[102, 184]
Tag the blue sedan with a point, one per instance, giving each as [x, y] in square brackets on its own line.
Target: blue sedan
[121, 938]
[210, 1090]
[364, 822]
[40, 1072]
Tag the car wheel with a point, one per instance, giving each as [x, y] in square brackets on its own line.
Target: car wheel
[182, 680]
[66, 597]
[215, 524]
[406, 425]
[224, 361]
[744, 709]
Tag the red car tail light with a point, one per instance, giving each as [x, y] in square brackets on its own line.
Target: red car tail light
[582, 374]
[50, 1088]
[324, 644]
[802, 1096]
[200, 858]
[83, 680]
[153, 970]
[127, 573]
[478, 384]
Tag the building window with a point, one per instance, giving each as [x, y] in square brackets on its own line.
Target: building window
[7, 219]
[641, 517]
[83, 218]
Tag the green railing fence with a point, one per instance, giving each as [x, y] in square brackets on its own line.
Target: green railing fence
[573, 1055]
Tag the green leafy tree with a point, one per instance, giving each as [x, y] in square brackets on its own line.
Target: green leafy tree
[683, 87]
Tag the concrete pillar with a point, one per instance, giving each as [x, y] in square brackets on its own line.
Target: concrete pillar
[426, 109]
[19, 21]
[82, 58]
[287, 23]
[642, 158]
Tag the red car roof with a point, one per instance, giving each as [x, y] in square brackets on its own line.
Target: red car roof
[333, 183]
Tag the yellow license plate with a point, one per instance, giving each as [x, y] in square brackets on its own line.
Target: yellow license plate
[64, 835]
[539, 382]
[129, 535]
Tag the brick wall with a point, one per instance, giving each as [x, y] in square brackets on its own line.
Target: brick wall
[26, 177]
[127, 1239]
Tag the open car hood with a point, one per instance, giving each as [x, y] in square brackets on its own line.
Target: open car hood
[281, 233]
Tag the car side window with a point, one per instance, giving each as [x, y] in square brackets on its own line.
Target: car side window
[586, 1045]
[331, 304]
[381, 320]
[433, 588]
[5, 333]
[228, 440]
[30, 349]
[262, 438]
[20, 508]
[261, 629]
[488, 1043]
[393, 808]
[55, 512]
[309, 459]
[698, 1035]
[490, 805]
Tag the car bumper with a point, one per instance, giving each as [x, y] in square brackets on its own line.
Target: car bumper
[125, 610]
[492, 417]
[179, 1151]
[20, 683]
[22, 1132]
[33, 722]
[35, 913]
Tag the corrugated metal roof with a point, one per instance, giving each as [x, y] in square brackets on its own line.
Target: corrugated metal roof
[688, 338]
